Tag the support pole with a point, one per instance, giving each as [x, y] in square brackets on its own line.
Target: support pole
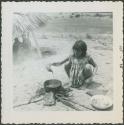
[37, 45]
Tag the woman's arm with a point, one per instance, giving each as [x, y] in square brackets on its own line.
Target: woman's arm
[95, 69]
[60, 63]
[93, 63]
[56, 64]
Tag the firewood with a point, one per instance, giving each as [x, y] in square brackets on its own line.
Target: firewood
[29, 102]
[67, 103]
[72, 103]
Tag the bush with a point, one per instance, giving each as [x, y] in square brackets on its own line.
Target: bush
[98, 15]
[88, 36]
[71, 16]
[77, 16]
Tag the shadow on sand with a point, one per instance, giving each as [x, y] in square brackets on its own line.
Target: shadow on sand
[94, 85]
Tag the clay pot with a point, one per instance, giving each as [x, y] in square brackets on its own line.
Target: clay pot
[53, 85]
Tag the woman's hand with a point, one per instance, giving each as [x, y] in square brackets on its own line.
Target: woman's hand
[95, 70]
[48, 67]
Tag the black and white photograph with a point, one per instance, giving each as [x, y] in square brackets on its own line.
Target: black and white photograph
[61, 60]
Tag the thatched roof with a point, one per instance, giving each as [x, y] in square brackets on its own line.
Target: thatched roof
[27, 22]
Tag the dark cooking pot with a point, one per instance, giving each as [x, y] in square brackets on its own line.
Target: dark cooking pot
[53, 85]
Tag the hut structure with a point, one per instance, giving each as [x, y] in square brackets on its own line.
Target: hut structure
[24, 26]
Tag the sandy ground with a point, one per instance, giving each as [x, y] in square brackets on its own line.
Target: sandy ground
[30, 74]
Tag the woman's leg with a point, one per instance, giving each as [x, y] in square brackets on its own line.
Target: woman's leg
[67, 69]
[88, 74]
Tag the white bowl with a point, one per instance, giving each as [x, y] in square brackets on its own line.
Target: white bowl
[101, 102]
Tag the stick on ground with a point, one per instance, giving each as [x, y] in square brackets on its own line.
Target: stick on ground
[27, 103]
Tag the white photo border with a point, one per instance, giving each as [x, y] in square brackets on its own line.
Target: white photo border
[10, 116]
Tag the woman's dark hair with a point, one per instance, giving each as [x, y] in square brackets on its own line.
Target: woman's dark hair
[80, 46]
